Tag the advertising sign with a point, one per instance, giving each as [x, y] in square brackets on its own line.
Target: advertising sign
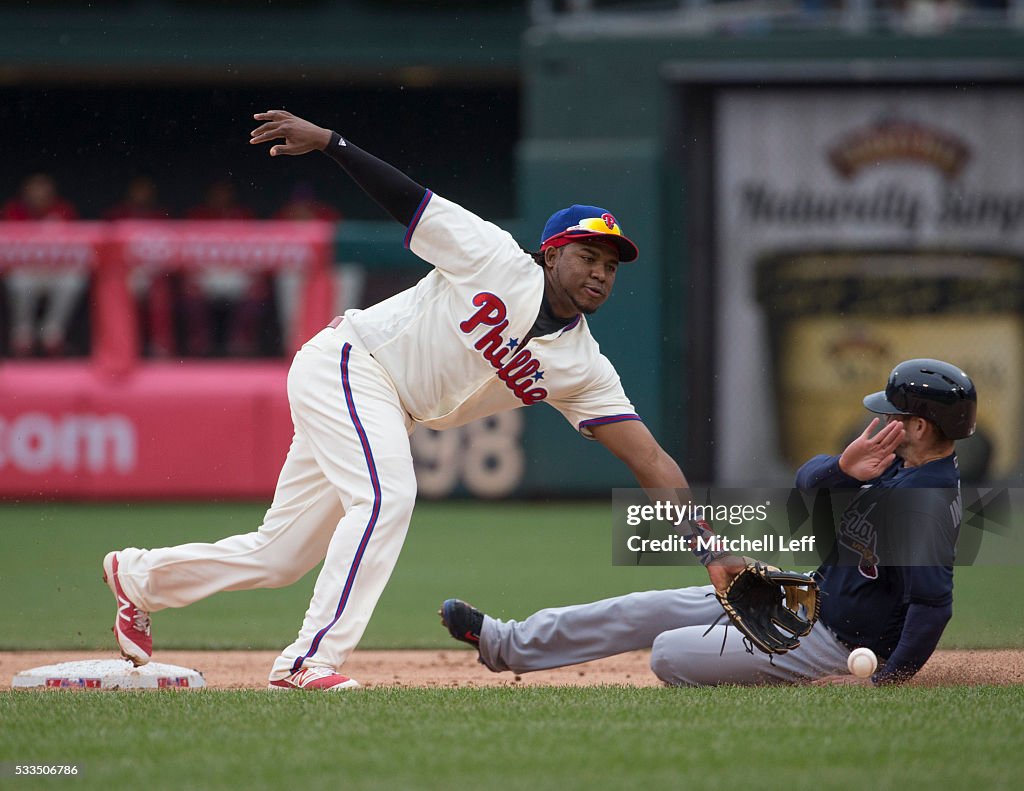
[856, 229]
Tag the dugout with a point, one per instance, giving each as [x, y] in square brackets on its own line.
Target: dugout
[567, 104]
[166, 89]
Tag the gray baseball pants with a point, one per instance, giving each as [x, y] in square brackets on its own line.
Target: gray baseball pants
[672, 623]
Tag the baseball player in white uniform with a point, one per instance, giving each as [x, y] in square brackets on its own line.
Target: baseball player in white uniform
[490, 328]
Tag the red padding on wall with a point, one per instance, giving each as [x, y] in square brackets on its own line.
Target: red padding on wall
[167, 430]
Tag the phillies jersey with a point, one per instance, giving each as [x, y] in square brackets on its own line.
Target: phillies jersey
[453, 343]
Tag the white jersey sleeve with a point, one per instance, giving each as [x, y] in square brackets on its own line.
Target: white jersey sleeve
[456, 241]
[602, 400]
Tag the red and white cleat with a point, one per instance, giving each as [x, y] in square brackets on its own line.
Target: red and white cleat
[131, 627]
[314, 677]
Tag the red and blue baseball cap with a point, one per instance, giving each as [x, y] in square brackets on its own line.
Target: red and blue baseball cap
[578, 223]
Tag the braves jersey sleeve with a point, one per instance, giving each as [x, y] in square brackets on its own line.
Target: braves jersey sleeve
[459, 243]
[823, 472]
[929, 551]
[602, 400]
[921, 633]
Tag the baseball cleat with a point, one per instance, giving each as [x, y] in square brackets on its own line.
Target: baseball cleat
[132, 625]
[320, 678]
[463, 621]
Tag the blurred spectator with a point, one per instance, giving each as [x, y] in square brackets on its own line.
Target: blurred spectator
[39, 201]
[240, 298]
[930, 17]
[221, 203]
[152, 289]
[140, 202]
[302, 205]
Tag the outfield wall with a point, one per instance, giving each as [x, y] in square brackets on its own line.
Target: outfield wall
[649, 126]
[116, 425]
[635, 122]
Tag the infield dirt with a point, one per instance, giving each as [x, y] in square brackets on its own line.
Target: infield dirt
[440, 668]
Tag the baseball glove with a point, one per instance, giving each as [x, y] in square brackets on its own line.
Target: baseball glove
[763, 602]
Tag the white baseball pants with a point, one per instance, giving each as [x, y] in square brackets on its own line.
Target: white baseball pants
[673, 624]
[345, 495]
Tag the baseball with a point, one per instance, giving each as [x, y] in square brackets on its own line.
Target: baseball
[862, 662]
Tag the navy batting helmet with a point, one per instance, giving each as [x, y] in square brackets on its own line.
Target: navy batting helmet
[931, 389]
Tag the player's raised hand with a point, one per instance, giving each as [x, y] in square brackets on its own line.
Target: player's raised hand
[300, 136]
[868, 456]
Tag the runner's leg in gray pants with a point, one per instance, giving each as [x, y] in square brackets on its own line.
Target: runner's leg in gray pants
[672, 623]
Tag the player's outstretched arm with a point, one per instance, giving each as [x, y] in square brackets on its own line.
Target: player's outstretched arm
[632, 442]
[922, 631]
[299, 135]
[657, 472]
[389, 187]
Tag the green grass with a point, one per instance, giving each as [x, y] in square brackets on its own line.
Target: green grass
[508, 558]
[511, 559]
[525, 738]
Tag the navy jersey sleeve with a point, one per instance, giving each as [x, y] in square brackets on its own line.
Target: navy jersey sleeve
[822, 472]
[931, 576]
[923, 520]
[921, 632]
[923, 537]
[931, 585]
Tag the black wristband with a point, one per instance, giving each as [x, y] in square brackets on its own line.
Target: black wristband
[335, 146]
[392, 190]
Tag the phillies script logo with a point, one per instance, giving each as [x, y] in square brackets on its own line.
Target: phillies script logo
[520, 372]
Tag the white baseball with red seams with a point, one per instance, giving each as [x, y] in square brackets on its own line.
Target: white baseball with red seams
[443, 353]
[862, 662]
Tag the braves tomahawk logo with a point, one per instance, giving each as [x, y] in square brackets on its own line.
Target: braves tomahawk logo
[857, 533]
[520, 372]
